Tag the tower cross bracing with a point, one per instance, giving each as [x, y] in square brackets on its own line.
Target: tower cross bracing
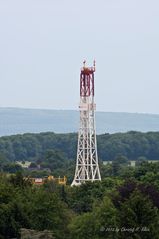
[87, 168]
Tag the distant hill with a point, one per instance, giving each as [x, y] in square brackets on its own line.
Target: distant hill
[17, 121]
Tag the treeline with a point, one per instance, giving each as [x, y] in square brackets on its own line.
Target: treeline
[34, 146]
[120, 207]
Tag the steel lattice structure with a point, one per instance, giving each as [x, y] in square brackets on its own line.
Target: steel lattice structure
[87, 168]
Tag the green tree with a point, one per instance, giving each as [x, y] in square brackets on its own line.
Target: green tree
[48, 212]
[98, 224]
[12, 168]
[138, 213]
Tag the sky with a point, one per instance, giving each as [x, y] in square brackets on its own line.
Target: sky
[44, 42]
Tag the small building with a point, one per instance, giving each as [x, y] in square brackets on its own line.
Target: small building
[41, 181]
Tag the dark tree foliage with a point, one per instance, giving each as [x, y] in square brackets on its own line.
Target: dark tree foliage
[127, 197]
[32, 147]
[138, 217]
[92, 210]
[25, 206]
[130, 186]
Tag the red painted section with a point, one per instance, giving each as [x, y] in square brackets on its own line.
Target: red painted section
[87, 81]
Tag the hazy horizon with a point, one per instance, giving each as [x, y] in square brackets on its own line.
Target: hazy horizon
[99, 111]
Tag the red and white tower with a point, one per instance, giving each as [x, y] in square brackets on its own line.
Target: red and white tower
[87, 168]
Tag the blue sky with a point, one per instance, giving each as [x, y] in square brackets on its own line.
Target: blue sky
[44, 42]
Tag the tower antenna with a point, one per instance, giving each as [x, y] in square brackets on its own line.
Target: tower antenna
[87, 168]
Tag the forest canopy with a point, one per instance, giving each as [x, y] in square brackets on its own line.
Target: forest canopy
[126, 198]
[33, 147]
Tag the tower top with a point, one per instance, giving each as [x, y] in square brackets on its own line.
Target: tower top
[88, 70]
